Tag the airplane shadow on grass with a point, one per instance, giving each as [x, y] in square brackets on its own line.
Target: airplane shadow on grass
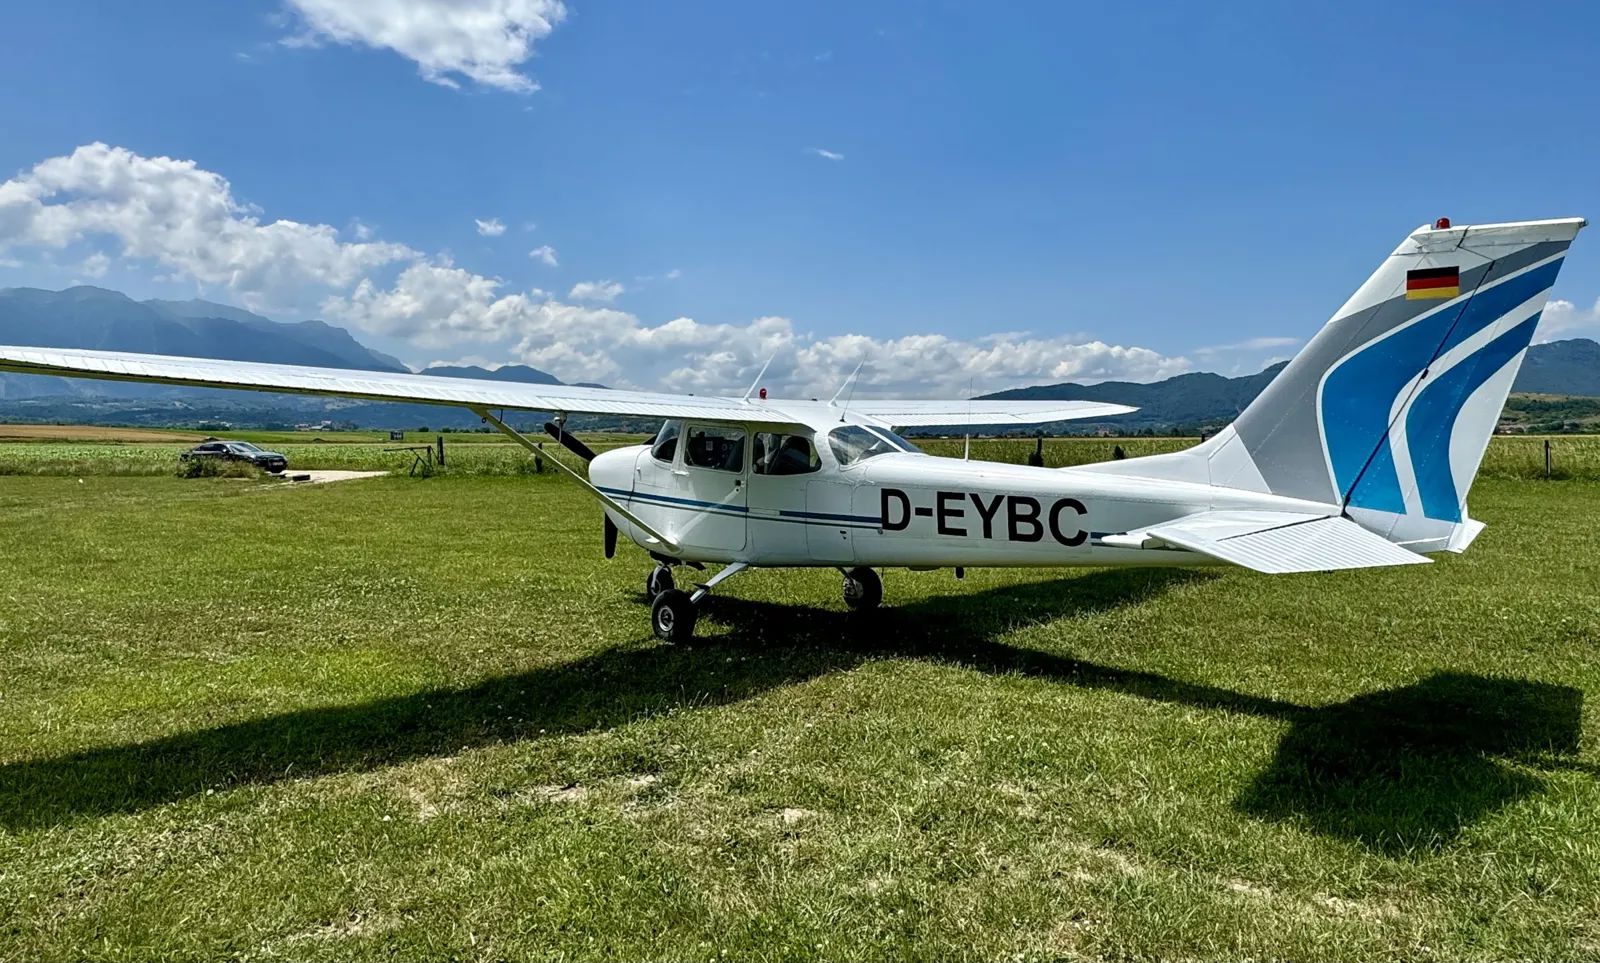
[1400, 770]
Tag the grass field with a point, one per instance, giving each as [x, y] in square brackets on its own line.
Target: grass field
[1515, 456]
[404, 718]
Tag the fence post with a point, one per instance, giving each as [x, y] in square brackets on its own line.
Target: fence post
[441, 451]
[1547, 459]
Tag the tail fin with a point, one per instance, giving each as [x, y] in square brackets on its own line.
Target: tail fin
[1387, 411]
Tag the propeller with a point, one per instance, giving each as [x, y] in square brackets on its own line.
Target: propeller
[587, 454]
[569, 442]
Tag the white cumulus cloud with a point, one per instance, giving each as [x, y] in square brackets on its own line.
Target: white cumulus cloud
[185, 225]
[1563, 319]
[606, 291]
[184, 218]
[484, 41]
[826, 154]
[490, 228]
[439, 305]
[544, 254]
[95, 265]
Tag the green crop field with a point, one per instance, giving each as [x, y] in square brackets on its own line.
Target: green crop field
[404, 718]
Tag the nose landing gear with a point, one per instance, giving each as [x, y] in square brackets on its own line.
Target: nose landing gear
[659, 580]
[673, 611]
[672, 616]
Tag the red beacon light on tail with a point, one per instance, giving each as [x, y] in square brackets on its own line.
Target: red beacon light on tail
[1441, 224]
[763, 394]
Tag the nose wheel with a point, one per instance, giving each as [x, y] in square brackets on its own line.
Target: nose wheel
[673, 611]
[659, 580]
[863, 589]
[672, 616]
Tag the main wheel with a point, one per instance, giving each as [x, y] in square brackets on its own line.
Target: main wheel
[660, 580]
[863, 589]
[672, 616]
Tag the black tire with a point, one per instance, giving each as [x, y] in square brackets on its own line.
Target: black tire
[863, 589]
[672, 616]
[659, 580]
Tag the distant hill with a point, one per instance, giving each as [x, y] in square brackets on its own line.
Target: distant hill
[91, 317]
[510, 372]
[1561, 368]
[102, 319]
[1187, 399]
[1565, 368]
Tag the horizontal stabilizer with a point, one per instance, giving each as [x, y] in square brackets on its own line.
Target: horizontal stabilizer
[1281, 542]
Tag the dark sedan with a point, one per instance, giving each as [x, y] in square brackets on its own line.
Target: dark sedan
[270, 461]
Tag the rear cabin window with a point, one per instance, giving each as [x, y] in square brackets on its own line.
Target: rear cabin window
[665, 447]
[775, 454]
[720, 449]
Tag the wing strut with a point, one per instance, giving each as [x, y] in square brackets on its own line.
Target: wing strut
[606, 500]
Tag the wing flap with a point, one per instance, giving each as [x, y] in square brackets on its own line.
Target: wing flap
[1283, 542]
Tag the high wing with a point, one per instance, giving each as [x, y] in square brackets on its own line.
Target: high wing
[370, 385]
[1273, 542]
[476, 393]
[911, 414]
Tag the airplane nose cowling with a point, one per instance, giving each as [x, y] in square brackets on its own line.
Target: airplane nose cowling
[614, 469]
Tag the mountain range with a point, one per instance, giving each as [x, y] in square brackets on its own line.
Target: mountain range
[1202, 399]
[97, 318]
[101, 319]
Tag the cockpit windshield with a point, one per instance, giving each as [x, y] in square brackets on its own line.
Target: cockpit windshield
[854, 443]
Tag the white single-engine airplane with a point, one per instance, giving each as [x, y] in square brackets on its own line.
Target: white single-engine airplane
[1360, 453]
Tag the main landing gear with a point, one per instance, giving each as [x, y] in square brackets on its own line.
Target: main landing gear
[863, 589]
[673, 612]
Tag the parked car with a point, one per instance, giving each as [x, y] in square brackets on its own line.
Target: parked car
[271, 461]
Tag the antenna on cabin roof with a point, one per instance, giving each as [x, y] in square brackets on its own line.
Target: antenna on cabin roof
[966, 453]
[850, 383]
[748, 391]
[832, 401]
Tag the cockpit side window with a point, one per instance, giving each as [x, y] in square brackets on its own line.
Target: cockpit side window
[665, 447]
[852, 443]
[899, 443]
[778, 454]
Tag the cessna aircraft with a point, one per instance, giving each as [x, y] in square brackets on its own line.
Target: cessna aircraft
[1360, 453]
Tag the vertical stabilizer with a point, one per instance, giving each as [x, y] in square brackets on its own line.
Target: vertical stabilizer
[1386, 412]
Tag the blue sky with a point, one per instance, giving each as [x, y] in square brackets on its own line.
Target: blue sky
[960, 194]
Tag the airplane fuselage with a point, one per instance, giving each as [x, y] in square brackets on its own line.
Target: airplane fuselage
[903, 509]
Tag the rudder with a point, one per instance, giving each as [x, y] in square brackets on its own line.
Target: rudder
[1388, 410]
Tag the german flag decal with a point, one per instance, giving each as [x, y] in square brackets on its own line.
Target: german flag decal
[1427, 283]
